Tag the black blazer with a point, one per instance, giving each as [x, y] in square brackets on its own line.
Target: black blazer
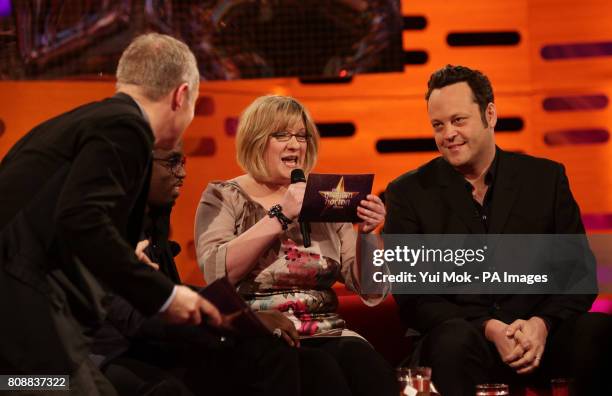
[72, 199]
[530, 196]
[127, 330]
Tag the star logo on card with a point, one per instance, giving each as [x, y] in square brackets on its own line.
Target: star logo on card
[337, 198]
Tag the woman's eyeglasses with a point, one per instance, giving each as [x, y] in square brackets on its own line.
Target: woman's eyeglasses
[286, 136]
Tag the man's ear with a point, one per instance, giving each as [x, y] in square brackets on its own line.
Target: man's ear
[180, 96]
[491, 115]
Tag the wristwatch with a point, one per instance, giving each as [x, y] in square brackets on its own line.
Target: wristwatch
[277, 211]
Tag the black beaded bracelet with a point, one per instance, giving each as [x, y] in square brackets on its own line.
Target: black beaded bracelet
[277, 211]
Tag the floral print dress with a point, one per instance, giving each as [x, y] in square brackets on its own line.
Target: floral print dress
[288, 277]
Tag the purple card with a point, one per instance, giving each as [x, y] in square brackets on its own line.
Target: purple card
[334, 198]
[244, 321]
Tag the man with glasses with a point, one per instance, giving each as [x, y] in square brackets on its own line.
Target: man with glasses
[126, 346]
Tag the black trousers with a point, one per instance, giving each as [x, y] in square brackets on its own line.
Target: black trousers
[253, 366]
[461, 357]
[357, 368]
[256, 366]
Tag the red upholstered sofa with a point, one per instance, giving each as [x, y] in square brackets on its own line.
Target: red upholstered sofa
[382, 327]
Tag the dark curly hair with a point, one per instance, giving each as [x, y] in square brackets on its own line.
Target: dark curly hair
[478, 82]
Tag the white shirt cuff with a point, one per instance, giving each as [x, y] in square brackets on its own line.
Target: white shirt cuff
[169, 300]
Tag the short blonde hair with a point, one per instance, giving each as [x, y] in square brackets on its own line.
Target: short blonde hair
[158, 63]
[267, 115]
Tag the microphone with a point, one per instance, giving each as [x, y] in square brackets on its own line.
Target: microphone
[297, 176]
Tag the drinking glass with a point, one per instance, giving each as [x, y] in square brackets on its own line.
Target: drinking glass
[418, 378]
[560, 386]
[492, 390]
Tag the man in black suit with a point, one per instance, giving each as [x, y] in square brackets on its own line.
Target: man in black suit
[71, 210]
[477, 188]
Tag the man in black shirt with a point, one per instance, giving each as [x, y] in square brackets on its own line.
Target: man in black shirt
[477, 188]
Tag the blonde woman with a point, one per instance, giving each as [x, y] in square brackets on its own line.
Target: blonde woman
[246, 229]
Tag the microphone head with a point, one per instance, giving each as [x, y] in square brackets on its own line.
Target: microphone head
[297, 176]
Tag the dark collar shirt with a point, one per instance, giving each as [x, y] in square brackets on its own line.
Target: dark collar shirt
[484, 211]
